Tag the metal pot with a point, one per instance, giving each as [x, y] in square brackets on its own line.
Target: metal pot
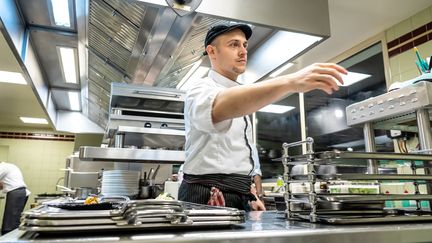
[145, 192]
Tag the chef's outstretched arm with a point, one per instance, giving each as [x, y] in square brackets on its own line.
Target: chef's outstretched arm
[246, 99]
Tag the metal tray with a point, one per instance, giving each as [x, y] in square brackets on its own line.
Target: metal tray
[327, 177]
[140, 227]
[47, 212]
[365, 219]
[343, 155]
[365, 198]
[337, 206]
[337, 157]
[214, 212]
[134, 215]
[68, 222]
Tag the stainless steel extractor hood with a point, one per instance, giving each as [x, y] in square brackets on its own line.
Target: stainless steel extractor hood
[147, 43]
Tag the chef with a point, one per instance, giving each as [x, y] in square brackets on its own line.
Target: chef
[12, 184]
[220, 154]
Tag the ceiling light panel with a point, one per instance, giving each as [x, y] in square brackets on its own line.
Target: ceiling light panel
[60, 12]
[12, 77]
[280, 48]
[281, 70]
[74, 101]
[353, 77]
[68, 61]
[278, 109]
[33, 120]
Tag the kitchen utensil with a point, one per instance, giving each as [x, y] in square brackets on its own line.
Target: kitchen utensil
[155, 172]
[150, 174]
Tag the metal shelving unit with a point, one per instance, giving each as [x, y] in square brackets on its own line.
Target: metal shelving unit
[350, 208]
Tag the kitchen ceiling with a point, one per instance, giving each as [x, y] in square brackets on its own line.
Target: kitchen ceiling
[140, 43]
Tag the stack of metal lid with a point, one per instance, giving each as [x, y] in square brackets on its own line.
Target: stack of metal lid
[131, 215]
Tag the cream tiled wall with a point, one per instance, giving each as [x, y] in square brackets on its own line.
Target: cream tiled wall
[40, 162]
[402, 66]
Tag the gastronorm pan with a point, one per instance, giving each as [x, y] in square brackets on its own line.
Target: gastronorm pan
[366, 219]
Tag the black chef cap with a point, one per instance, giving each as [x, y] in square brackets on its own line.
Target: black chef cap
[217, 30]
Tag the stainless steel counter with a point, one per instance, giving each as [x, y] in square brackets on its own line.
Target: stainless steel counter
[260, 227]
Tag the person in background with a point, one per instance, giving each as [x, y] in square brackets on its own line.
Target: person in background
[12, 184]
[220, 155]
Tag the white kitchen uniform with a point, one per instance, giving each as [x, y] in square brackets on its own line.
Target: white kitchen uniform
[225, 147]
[11, 177]
[16, 196]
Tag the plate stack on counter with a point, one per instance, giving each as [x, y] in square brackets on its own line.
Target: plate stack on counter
[120, 183]
[129, 215]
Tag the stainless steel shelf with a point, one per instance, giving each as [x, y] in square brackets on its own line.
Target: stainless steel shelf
[357, 198]
[344, 155]
[353, 176]
[152, 131]
[131, 155]
[153, 137]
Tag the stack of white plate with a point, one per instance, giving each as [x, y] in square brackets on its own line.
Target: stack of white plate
[120, 183]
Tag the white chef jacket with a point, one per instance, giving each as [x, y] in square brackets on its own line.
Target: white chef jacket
[11, 177]
[225, 147]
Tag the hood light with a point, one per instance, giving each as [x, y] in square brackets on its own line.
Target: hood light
[68, 61]
[196, 72]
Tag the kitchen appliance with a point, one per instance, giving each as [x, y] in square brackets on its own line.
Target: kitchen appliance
[146, 124]
[148, 117]
[145, 133]
[406, 109]
[80, 173]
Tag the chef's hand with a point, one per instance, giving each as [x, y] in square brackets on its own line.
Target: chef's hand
[257, 205]
[324, 76]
